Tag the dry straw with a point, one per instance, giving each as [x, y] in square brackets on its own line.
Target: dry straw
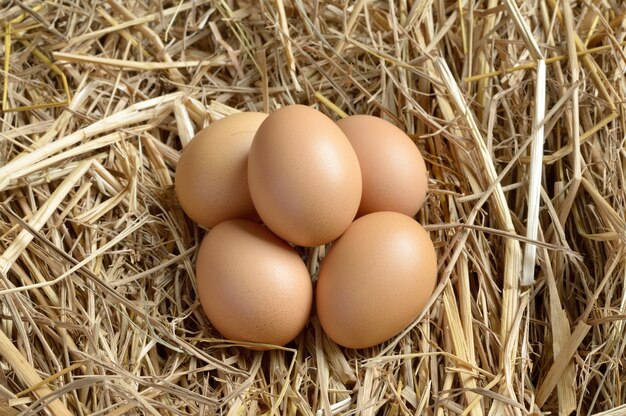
[517, 107]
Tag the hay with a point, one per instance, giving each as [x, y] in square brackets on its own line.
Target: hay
[98, 313]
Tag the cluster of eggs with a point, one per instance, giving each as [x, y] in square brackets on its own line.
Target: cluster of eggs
[264, 184]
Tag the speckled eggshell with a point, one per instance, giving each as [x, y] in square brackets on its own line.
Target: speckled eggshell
[375, 279]
[212, 173]
[393, 170]
[252, 285]
[304, 176]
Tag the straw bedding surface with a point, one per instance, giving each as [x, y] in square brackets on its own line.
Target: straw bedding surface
[98, 313]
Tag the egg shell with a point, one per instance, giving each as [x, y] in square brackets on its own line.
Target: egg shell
[393, 169]
[252, 285]
[304, 176]
[212, 173]
[375, 280]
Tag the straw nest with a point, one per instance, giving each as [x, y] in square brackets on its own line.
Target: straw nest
[98, 312]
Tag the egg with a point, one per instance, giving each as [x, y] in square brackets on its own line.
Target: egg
[252, 285]
[375, 280]
[211, 179]
[393, 170]
[304, 176]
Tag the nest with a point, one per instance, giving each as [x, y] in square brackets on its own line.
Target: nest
[98, 310]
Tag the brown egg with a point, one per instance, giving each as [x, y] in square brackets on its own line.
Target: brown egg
[211, 176]
[375, 279]
[393, 170]
[252, 285]
[304, 176]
